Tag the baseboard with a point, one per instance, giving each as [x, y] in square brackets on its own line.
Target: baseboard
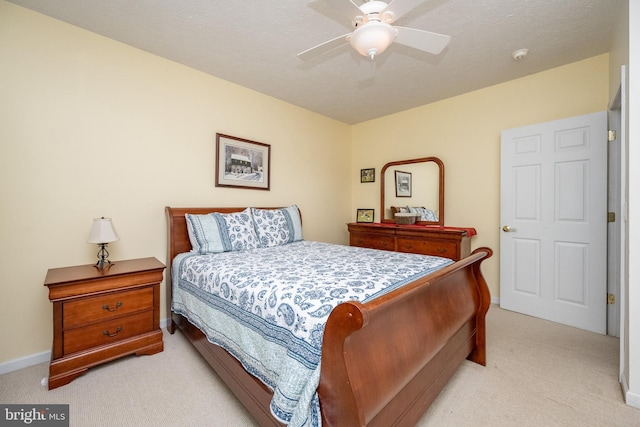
[633, 399]
[495, 300]
[38, 358]
[630, 398]
[25, 362]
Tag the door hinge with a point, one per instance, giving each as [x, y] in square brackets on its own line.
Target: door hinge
[612, 135]
[611, 299]
[611, 217]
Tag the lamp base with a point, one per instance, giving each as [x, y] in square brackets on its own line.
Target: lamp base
[103, 255]
[103, 265]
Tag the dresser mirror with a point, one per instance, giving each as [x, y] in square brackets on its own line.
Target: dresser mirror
[421, 186]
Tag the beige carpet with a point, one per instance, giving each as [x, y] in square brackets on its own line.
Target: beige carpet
[538, 374]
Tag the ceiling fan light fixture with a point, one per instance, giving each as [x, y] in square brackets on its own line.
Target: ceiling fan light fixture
[373, 38]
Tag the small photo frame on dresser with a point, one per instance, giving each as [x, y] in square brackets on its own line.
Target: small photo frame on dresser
[364, 215]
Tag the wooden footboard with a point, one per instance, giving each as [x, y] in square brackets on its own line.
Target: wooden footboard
[383, 362]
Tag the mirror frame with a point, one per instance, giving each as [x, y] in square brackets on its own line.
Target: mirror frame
[435, 160]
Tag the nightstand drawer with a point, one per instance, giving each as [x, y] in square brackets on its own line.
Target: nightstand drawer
[428, 247]
[107, 332]
[104, 307]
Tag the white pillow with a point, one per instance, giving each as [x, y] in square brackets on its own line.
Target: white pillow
[216, 232]
[277, 226]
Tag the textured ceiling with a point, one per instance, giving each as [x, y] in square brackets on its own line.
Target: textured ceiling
[255, 43]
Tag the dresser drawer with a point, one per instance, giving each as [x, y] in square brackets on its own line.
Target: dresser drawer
[107, 332]
[99, 308]
[373, 241]
[428, 247]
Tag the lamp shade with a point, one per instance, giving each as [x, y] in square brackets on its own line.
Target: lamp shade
[102, 231]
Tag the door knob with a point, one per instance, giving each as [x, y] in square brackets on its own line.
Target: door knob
[507, 229]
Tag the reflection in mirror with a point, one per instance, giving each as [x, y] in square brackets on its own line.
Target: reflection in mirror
[427, 188]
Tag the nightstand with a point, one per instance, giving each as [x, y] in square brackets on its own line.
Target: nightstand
[102, 315]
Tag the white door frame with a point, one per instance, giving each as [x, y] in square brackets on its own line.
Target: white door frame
[614, 228]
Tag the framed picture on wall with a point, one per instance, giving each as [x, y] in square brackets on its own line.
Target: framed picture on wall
[368, 175]
[403, 184]
[364, 215]
[242, 163]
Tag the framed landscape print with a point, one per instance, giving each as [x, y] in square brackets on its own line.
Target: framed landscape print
[242, 163]
[403, 184]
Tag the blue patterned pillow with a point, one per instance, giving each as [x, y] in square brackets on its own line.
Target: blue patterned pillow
[216, 232]
[425, 214]
[277, 226]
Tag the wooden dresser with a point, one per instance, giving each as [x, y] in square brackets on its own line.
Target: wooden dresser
[448, 242]
[101, 315]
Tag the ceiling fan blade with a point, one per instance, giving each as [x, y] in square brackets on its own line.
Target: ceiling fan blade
[323, 47]
[400, 8]
[345, 7]
[422, 40]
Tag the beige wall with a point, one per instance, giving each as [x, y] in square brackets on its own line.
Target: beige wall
[464, 132]
[90, 127]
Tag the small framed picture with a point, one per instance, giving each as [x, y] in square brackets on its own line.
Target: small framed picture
[364, 215]
[368, 175]
[403, 184]
[242, 163]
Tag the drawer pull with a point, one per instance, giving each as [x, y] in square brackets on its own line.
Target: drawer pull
[106, 307]
[441, 251]
[107, 334]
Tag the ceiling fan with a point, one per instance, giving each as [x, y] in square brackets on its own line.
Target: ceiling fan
[373, 31]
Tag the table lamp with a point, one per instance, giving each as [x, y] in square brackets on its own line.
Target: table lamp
[102, 233]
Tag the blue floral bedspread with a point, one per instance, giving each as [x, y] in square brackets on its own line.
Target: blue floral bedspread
[268, 307]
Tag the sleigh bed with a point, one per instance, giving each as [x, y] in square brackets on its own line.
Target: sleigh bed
[382, 361]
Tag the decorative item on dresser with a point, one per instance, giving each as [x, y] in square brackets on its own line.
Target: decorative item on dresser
[100, 315]
[448, 242]
[365, 215]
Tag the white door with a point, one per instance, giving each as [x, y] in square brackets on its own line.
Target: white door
[553, 211]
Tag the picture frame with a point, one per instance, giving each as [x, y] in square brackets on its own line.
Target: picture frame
[364, 215]
[403, 184]
[368, 175]
[242, 163]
